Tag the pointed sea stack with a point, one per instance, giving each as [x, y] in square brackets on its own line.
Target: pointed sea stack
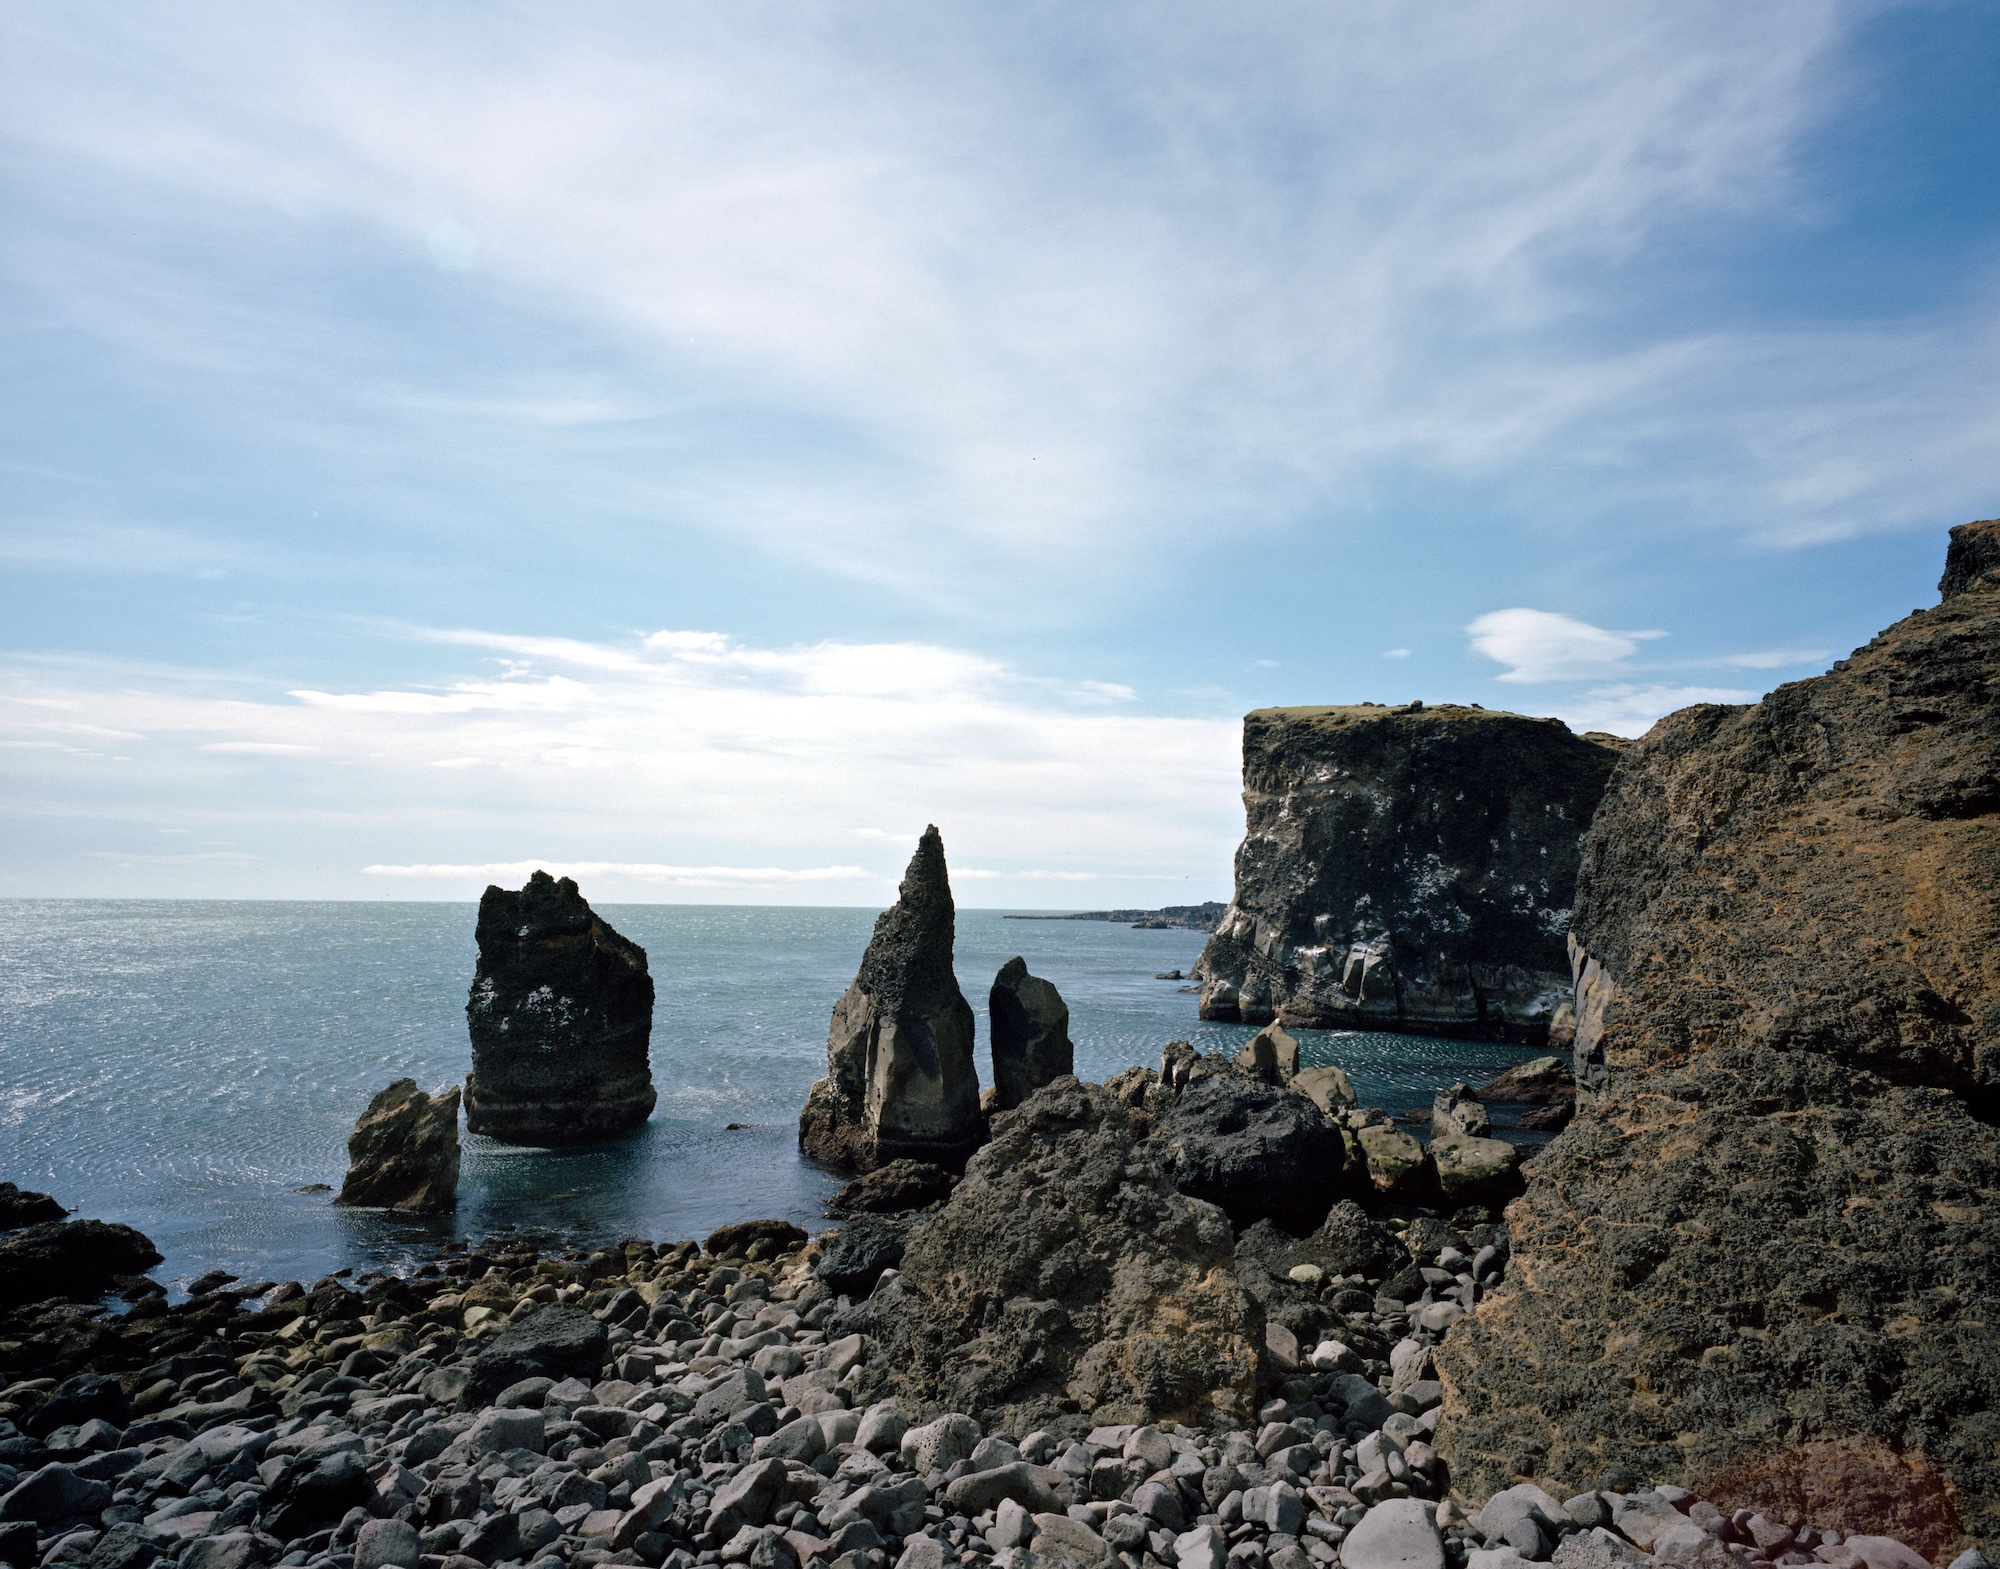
[900, 1076]
[561, 1015]
[1029, 1034]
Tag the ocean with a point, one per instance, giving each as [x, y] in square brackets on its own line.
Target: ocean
[188, 1067]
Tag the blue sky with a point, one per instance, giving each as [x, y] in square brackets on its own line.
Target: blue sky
[699, 445]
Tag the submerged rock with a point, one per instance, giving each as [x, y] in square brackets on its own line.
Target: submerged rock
[561, 1014]
[404, 1152]
[1029, 1034]
[900, 1185]
[1404, 869]
[1066, 1272]
[1769, 1228]
[900, 1076]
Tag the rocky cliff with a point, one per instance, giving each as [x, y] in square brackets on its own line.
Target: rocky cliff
[1762, 1257]
[1405, 869]
[561, 1015]
[900, 1076]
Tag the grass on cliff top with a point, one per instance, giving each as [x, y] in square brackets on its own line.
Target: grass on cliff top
[1336, 716]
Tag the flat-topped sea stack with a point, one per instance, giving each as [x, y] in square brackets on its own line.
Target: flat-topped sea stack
[1762, 1260]
[562, 1018]
[1405, 869]
[901, 1082]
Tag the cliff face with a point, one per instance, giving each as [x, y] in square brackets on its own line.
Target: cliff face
[1766, 1245]
[1405, 869]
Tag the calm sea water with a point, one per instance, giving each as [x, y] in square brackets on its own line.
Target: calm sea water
[186, 1067]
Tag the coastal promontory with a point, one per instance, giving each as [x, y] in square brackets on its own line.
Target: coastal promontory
[1760, 1262]
[900, 1078]
[1406, 868]
[561, 1015]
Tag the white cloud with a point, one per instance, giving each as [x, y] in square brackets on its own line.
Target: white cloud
[1776, 658]
[1542, 645]
[1395, 653]
[656, 764]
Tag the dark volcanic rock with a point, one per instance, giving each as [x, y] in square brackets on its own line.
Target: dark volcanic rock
[900, 1075]
[1029, 1035]
[766, 1238]
[553, 1341]
[561, 1015]
[1067, 1274]
[890, 1189]
[20, 1207]
[70, 1257]
[1770, 1227]
[1404, 869]
[1542, 1082]
[78, 1400]
[1258, 1152]
[857, 1254]
[404, 1152]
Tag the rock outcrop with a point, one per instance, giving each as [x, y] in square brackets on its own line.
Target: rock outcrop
[404, 1152]
[1067, 1274]
[1766, 1241]
[1405, 869]
[561, 1014]
[901, 1082]
[24, 1207]
[64, 1257]
[1256, 1151]
[1029, 1034]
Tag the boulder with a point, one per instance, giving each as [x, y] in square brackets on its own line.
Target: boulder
[1066, 1272]
[1456, 1110]
[1328, 1088]
[54, 1492]
[1485, 1172]
[1271, 1056]
[888, 1190]
[81, 1398]
[561, 1015]
[900, 1076]
[1537, 1082]
[1769, 1229]
[1256, 1151]
[1030, 1034]
[70, 1258]
[554, 1340]
[859, 1251]
[767, 1237]
[1404, 869]
[1395, 1161]
[22, 1207]
[1400, 1533]
[404, 1152]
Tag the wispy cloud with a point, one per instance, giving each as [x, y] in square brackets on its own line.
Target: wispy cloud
[1633, 708]
[627, 871]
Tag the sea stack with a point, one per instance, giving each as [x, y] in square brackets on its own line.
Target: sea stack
[1029, 1034]
[1405, 869]
[561, 1014]
[1761, 1262]
[404, 1152]
[900, 1076]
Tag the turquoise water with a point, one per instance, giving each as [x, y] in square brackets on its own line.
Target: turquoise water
[184, 1067]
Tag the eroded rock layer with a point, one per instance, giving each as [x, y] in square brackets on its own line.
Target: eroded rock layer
[900, 1077]
[1404, 869]
[561, 1015]
[1770, 1231]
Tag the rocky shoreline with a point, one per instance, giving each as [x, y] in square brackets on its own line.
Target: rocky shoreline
[693, 1405]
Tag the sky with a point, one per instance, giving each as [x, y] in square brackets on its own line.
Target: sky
[696, 446]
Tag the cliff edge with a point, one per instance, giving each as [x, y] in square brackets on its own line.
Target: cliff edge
[1761, 1261]
[1405, 869]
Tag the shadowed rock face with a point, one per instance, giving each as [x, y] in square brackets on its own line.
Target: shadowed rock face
[1066, 1275]
[900, 1076]
[1770, 1228]
[561, 1014]
[57, 1257]
[1405, 869]
[1029, 1034]
[404, 1152]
